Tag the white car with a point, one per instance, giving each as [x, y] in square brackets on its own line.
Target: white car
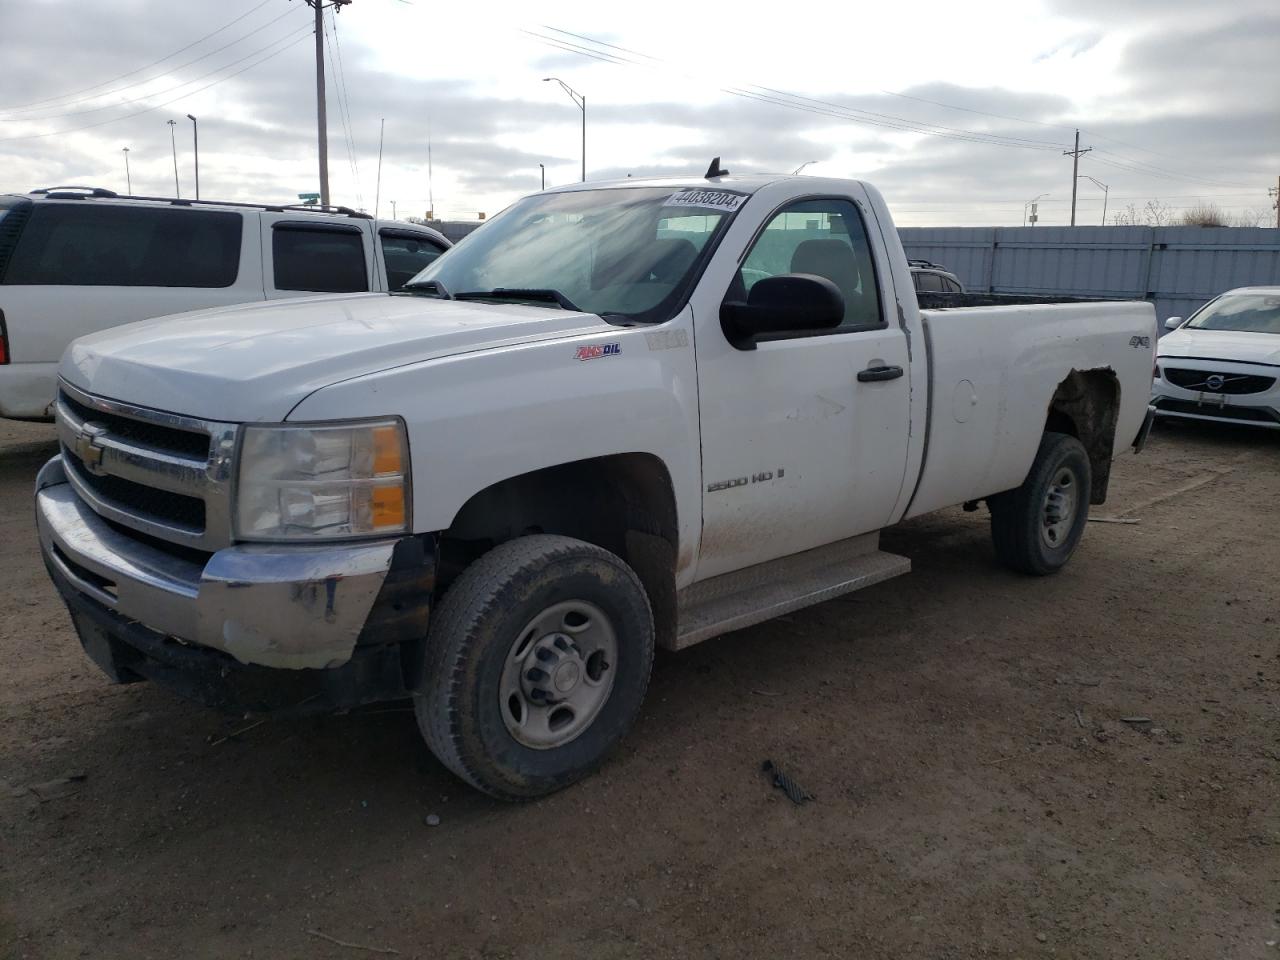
[1223, 363]
[76, 260]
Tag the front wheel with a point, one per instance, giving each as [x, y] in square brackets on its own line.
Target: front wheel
[537, 661]
[1036, 527]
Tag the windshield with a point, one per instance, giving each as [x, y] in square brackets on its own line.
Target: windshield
[628, 253]
[1245, 312]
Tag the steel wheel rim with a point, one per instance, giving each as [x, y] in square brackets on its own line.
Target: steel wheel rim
[558, 674]
[1058, 514]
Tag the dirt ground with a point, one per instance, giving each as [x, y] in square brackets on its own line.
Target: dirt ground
[980, 792]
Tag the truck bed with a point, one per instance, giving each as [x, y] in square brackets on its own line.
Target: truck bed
[949, 301]
[993, 373]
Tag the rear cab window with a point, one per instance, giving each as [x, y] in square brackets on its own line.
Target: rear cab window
[929, 283]
[319, 258]
[97, 244]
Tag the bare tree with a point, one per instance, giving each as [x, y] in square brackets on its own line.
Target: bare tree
[1128, 217]
[1253, 217]
[1157, 213]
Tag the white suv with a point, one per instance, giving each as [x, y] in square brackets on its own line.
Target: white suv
[74, 260]
[932, 278]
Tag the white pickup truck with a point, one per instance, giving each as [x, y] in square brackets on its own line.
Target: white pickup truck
[618, 415]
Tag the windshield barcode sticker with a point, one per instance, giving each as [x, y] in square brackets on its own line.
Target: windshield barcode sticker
[711, 199]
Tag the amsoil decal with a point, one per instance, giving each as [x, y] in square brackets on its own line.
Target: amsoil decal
[597, 350]
[711, 199]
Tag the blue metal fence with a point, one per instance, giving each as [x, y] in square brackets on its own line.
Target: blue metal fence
[1176, 268]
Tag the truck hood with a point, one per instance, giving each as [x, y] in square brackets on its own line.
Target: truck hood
[256, 362]
[1236, 345]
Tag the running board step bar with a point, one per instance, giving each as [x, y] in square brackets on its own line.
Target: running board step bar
[767, 590]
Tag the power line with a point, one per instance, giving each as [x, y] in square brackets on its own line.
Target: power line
[891, 121]
[138, 113]
[230, 23]
[161, 93]
[1041, 123]
[924, 127]
[1138, 166]
[809, 104]
[575, 48]
[344, 106]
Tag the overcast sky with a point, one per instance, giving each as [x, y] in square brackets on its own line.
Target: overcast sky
[958, 112]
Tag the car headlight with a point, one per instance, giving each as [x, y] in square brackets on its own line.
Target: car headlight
[323, 482]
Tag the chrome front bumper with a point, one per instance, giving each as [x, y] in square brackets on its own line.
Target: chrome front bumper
[281, 606]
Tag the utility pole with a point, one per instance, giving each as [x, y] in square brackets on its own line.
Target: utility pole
[377, 193]
[128, 180]
[393, 209]
[1075, 172]
[322, 128]
[173, 142]
[322, 122]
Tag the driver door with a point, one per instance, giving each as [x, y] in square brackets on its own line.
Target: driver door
[797, 451]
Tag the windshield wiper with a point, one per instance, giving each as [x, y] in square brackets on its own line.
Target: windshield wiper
[427, 286]
[532, 294]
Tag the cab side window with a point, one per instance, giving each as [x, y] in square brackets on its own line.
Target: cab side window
[822, 237]
[406, 254]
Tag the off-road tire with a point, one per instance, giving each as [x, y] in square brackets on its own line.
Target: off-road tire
[1018, 516]
[471, 637]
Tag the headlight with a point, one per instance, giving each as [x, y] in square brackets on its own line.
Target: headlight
[323, 482]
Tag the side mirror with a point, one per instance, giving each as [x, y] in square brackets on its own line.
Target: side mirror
[790, 303]
[1173, 323]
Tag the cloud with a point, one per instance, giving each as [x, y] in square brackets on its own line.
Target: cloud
[1195, 90]
[1072, 46]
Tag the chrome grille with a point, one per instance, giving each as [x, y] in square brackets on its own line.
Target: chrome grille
[1211, 381]
[163, 475]
[157, 436]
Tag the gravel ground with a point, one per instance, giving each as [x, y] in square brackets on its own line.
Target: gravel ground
[979, 790]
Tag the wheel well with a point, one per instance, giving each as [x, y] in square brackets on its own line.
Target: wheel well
[624, 503]
[1085, 406]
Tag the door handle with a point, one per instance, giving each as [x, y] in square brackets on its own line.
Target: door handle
[873, 374]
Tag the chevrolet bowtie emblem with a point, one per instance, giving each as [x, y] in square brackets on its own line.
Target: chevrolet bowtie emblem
[86, 447]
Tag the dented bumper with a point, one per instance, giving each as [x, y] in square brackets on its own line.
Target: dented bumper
[284, 608]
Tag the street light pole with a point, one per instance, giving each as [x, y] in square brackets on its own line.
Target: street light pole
[1028, 204]
[128, 180]
[393, 209]
[195, 134]
[1105, 190]
[797, 170]
[173, 142]
[543, 168]
[581, 101]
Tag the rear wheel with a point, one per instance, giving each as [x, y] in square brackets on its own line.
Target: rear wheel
[1036, 527]
[538, 659]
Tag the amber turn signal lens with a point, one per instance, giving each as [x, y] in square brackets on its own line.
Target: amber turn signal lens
[387, 452]
[388, 507]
